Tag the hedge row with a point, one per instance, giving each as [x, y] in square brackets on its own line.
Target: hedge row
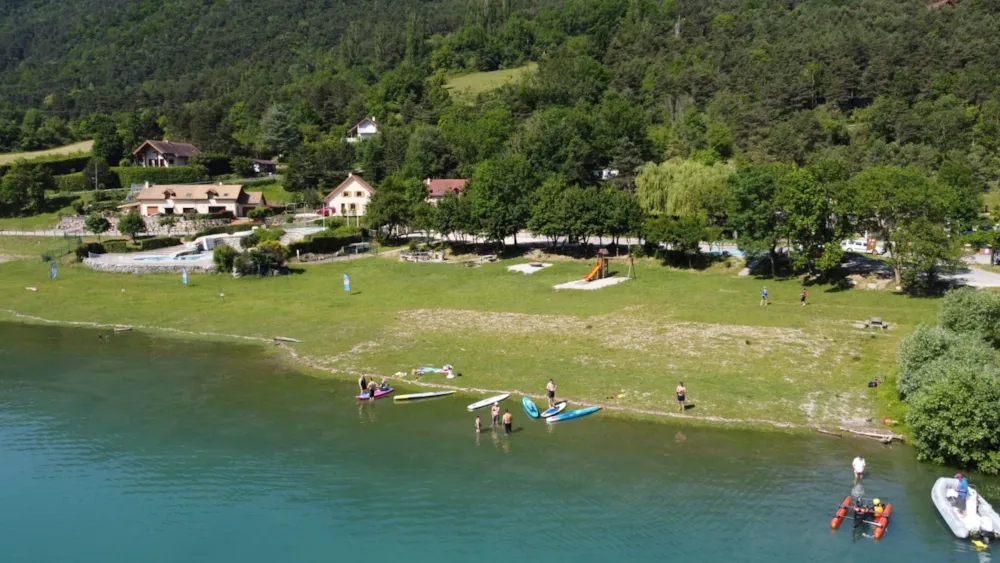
[120, 246]
[56, 165]
[174, 175]
[326, 242]
[74, 182]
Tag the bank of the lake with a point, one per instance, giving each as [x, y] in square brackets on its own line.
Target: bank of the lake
[626, 346]
[160, 449]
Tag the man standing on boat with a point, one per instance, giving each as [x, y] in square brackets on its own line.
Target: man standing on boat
[963, 493]
[859, 468]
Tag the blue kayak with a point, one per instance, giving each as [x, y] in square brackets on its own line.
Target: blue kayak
[529, 407]
[573, 414]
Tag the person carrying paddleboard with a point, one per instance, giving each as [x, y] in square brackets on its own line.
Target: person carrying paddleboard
[508, 421]
[495, 411]
[551, 391]
[859, 468]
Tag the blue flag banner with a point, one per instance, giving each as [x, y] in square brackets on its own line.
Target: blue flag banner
[184, 275]
[53, 271]
[347, 283]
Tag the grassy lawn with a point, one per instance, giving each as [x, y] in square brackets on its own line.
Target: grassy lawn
[509, 331]
[274, 193]
[32, 248]
[59, 203]
[81, 147]
[468, 86]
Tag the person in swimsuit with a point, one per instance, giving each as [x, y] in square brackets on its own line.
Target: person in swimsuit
[681, 395]
[803, 298]
[858, 465]
[508, 420]
[384, 385]
[551, 389]
[363, 384]
[372, 388]
[495, 411]
[479, 425]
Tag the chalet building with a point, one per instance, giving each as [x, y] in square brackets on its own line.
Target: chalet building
[164, 154]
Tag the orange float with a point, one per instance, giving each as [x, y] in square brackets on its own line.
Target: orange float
[882, 521]
[841, 512]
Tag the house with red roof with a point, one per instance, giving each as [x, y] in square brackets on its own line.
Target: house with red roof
[440, 187]
[163, 153]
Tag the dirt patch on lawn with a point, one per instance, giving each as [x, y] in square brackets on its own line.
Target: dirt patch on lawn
[624, 332]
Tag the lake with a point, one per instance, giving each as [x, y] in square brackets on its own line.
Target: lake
[158, 450]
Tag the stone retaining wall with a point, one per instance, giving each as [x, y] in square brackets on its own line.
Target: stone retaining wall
[132, 267]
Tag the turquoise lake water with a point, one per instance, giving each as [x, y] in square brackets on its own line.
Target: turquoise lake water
[158, 450]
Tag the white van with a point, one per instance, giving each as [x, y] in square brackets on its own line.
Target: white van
[861, 247]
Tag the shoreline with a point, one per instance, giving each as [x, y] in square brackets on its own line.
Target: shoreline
[290, 356]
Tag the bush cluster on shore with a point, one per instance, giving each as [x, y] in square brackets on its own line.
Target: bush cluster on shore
[950, 377]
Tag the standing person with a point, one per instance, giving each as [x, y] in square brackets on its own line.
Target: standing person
[363, 384]
[802, 298]
[763, 296]
[859, 468]
[551, 388]
[963, 493]
[479, 425]
[508, 421]
[372, 388]
[495, 411]
[681, 396]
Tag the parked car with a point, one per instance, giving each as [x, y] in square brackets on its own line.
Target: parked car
[986, 227]
[861, 246]
[326, 211]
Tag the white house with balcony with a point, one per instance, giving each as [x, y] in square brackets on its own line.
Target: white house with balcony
[163, 154]
[365, 129]
[350, 198]
[197, 199]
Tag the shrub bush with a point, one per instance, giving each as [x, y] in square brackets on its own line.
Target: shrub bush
[84, 250]
[260, 212]
[173, 175]
[72, 182]
[262, 235]
[224, 256]
[926, 355]
[216, 164]
[266, 259]
[158, 242]
[116, 246]
[325, 242]
[954, 419]
[969, 310]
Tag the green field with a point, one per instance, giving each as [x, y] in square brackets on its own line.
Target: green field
[274, 193]
[81, 147]
[508, 331]
[468, 86]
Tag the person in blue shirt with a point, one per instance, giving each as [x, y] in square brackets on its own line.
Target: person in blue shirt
[963, 493]
[763, 296]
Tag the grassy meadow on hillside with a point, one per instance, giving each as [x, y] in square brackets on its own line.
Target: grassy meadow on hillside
[80, 147]
[467, 86]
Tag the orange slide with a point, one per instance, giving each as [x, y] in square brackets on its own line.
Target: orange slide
[593, 272]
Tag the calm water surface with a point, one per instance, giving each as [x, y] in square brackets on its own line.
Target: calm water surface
[157, 450]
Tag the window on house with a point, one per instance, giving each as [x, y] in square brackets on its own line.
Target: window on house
[152, 210]
[353, 209]
[168, 210]
[343, 209]
[170, 161]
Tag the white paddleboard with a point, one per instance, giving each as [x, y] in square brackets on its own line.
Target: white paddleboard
[428, 395]
[487, 402]
[556, 409]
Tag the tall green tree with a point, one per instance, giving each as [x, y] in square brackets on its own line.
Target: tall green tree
[278, 132]
[754, 217]
[501, 192]
[22, 189]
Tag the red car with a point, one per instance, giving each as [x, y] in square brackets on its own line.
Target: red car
[326, 211]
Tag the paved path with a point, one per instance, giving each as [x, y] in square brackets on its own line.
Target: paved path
[976, 278]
